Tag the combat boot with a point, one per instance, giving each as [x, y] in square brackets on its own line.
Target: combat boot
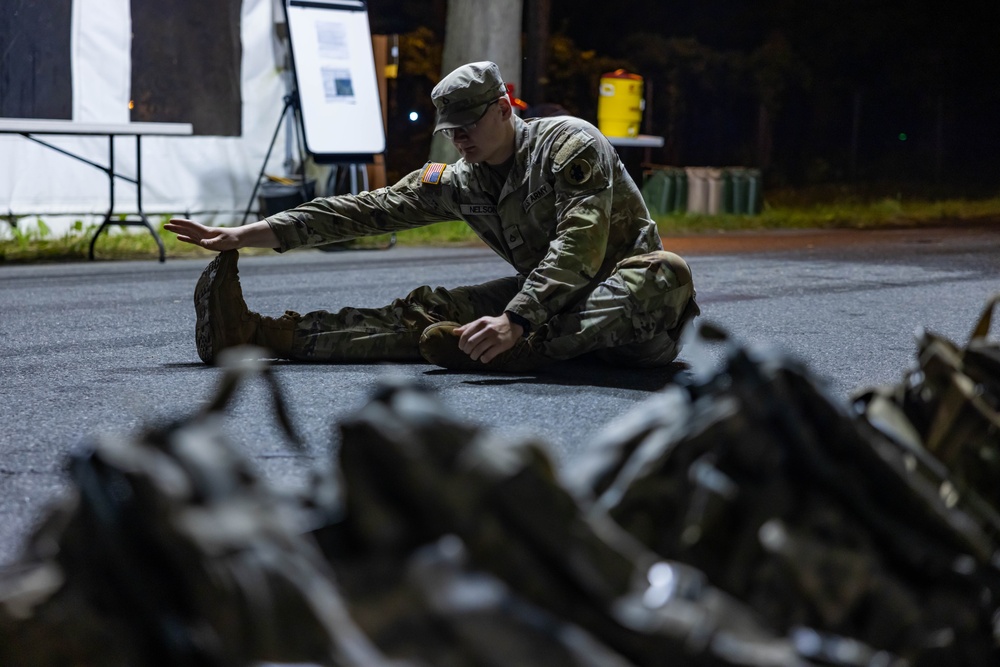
[439, 346]
[222, 319]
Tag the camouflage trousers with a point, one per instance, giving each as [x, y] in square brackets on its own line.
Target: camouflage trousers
[634, 316]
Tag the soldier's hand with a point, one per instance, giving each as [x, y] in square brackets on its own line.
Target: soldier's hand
[210, 238]
[485, 338]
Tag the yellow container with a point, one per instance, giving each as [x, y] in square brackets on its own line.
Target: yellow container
[620, 104]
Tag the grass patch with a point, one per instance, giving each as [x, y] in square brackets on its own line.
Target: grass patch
[782, 210]
[453, 232]
[37, 243]
[847, 214]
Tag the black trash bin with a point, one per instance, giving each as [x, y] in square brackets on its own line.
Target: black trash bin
[275, 196]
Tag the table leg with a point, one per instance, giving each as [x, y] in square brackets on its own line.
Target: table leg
[138, 190]
[111, 206]
[110, 171]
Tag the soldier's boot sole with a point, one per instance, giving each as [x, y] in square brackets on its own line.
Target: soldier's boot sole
[222, 319]
[439, 346]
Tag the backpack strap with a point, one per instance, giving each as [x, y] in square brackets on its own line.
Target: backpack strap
[983, 326]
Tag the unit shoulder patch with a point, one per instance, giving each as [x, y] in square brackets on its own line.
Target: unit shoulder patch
[578, 171]
[432, 173]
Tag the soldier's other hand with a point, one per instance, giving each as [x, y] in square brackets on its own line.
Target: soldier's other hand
[210, 238]
[485, 338]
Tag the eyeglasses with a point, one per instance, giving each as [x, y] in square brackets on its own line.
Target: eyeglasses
[450, 132]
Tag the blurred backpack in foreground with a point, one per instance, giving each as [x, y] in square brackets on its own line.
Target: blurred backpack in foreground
[811, 515]
[173, 552]
[949, 407]
[451, 546]
[521, 576]
[742, 518]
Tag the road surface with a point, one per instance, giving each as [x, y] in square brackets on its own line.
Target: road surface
[105, 347]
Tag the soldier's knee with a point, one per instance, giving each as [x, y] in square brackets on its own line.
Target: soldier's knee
[656, 272]
[423, 295]
[677, 266]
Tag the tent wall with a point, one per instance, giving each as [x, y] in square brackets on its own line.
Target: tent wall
[35, 74]
[208, 177]
[200, 44]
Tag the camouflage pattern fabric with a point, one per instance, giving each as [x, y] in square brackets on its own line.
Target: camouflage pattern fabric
[567, 217]
[805, 512]
[392, 333]
[633, 317]
[434, 603]
[414, 475]
[448, 546]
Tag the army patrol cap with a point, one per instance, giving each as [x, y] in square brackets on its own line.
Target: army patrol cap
[461, 97]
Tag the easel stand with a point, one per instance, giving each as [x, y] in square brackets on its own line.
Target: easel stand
[356, 172]
[291, 104]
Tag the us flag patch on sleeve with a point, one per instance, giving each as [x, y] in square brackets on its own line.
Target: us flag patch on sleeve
[432, 173]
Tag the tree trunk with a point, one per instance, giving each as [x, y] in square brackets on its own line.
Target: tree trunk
[855, 135]
[939, 141]
[535, 74]
[480, 30]
[765, 137]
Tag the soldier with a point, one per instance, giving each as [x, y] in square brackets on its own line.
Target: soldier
[548, 195]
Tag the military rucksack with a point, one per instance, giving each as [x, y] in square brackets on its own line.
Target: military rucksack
[949, 407]
[803, 510]
[172, 551]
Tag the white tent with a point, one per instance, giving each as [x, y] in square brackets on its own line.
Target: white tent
[208, 177]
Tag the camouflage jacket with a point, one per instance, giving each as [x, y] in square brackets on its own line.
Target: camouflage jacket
[566, 214]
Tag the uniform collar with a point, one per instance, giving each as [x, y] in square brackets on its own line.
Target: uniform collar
[522, 151]
[518, 170]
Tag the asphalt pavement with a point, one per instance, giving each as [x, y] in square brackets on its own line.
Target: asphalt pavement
[106, 347]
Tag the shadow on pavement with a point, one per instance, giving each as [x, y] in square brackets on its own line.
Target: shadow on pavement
[585, 373]
[576, 373]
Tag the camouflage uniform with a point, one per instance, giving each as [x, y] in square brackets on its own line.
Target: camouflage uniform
[592, 274]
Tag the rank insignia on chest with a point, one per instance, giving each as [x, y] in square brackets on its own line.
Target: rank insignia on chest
[432, 173]
[578, 171]
[512, 235]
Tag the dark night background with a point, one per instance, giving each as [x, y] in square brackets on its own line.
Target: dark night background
[824, 91]
[892, 94]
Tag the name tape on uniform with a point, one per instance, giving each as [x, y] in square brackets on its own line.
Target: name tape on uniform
[479, 209]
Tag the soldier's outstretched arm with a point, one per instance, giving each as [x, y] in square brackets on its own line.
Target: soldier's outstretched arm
[254, 235]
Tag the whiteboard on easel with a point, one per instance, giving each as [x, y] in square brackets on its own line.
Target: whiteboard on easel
[334, 69]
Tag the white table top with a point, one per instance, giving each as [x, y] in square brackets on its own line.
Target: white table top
[638, 141]
[47, 126]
